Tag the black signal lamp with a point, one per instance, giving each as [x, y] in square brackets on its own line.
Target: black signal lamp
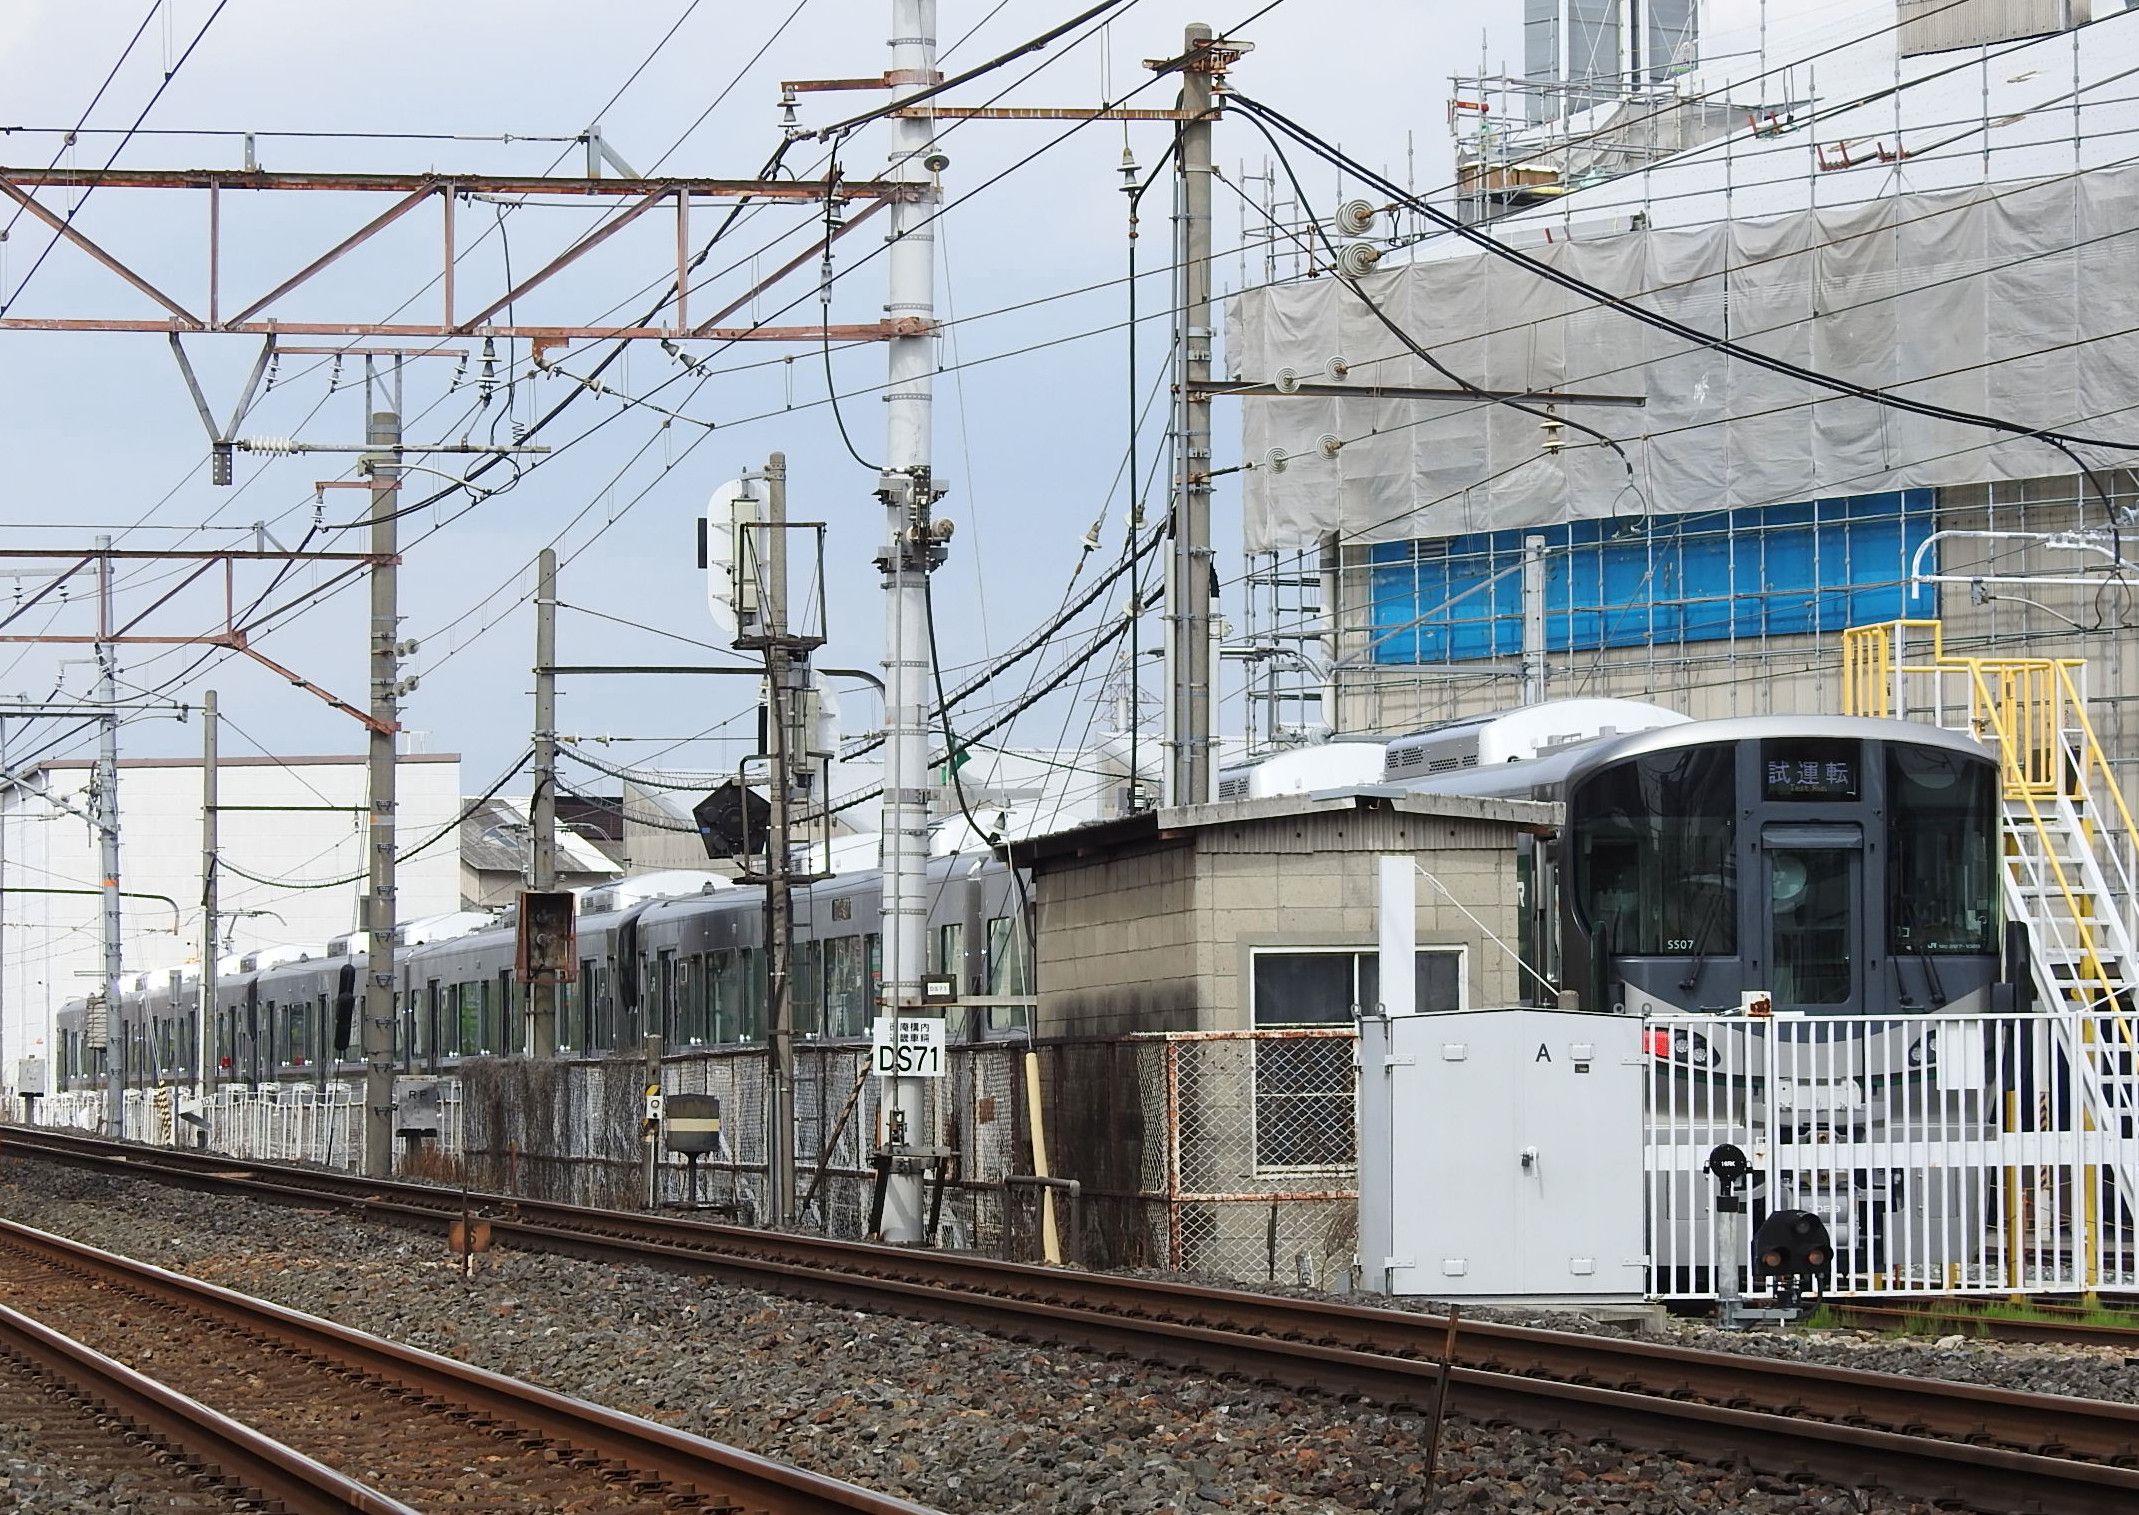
[1793, 1248]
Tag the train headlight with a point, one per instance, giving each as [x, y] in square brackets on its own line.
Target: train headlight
[1693, 1047]
[1924, 1050]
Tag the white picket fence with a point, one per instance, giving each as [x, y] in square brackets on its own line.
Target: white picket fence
[299, 1123]
[1946, 1153]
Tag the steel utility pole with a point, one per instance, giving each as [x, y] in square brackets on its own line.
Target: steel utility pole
[1190, 696]
[377, 1033]
[204, 1024]
[779, 855]
[542, 809]
[907, 488]
[108, 846]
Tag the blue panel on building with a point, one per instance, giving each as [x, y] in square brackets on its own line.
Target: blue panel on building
[1773, 570]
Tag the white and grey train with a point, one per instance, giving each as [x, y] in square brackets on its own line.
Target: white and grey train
[689, 966]
[1843, 868]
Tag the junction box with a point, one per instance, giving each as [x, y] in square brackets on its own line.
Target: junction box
[1500, 1155]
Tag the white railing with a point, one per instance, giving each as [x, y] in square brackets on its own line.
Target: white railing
[1946, 1153]
[300, 1123]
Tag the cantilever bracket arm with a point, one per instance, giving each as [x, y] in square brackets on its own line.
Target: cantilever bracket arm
[365, 717]
[224, 436]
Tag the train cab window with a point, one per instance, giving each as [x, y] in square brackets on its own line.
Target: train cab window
[1655, 861]
[1813, 898]
[1942, 841]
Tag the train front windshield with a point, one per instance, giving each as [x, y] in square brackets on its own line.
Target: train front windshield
[1655, 864]
[1827, 873]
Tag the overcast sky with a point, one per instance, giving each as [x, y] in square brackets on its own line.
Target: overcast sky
[100, 432]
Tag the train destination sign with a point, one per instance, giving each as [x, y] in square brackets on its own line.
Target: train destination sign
[1808, 770]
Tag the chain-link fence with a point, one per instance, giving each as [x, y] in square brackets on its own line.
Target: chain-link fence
[1261, 1181]
[1226, 1153]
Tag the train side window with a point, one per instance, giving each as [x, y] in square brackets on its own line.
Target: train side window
[665, 1006]
[845, 986]
[599, 1007]
[750, 974]
[951, 952]
[690, 1001]
[1007, 972]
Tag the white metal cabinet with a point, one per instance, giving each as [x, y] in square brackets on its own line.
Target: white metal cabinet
[1501, 1153]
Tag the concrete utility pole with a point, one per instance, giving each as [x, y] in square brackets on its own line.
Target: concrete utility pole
[1191, 696]
[542, 809]
[1533, 620]
[107, 812]
[907, 487]
[779, 854]
[384, 434]
[204, 1026]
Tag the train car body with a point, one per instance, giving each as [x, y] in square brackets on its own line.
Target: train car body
[689, 967]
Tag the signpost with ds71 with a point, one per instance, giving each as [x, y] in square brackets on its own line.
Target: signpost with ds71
[906, 1046]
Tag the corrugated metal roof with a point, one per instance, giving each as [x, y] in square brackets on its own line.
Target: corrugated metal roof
[496, 838]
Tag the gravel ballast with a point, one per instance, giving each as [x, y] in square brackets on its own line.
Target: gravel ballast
[942, 1415]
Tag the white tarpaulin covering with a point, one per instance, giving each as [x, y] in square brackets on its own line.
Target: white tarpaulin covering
[2019, 301]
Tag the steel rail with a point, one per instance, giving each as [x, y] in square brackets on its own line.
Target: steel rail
[1921, 1437]
[1959, 1319]
[233, 1451]
[745, 1480]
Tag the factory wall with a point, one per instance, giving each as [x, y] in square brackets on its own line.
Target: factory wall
[49, 946]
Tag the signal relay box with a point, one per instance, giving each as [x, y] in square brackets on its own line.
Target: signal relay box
[1500, 1155]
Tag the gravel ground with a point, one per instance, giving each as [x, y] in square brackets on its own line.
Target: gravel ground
[51, 1462]
[948, 1417]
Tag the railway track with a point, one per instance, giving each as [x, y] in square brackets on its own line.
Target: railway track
[143, 1444]
[1982, 1448]
[2049, 1325]
[407, 1429]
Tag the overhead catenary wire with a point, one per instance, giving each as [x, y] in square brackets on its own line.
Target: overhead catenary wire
[1670, 325]
[451, 828]
[1011, 169]
[67, 223]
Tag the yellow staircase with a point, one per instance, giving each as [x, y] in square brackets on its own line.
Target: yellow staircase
[2071, 848]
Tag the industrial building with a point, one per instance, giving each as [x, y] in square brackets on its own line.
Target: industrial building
[290, 869]
[1935, 209]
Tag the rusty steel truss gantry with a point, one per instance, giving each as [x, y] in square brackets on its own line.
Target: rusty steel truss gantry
[626, 201]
